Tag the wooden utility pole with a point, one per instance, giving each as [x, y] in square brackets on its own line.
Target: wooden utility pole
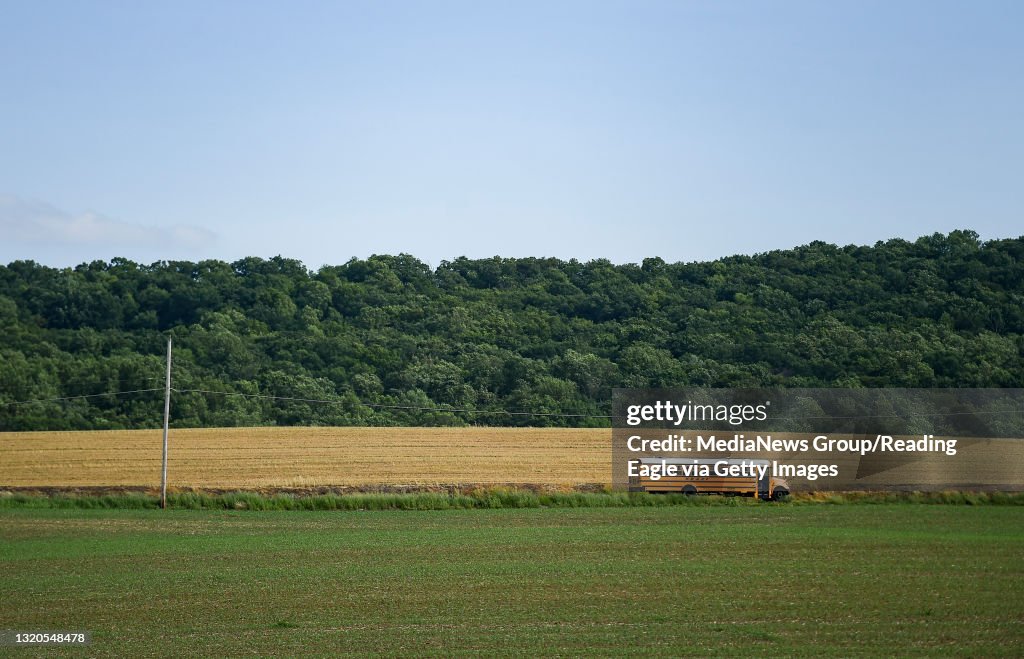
[167, 416]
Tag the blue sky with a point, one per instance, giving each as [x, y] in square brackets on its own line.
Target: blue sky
[619, 130]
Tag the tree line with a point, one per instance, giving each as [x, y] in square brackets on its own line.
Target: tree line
[391, 341]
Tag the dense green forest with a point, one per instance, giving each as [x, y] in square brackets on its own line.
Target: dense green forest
[388, 336]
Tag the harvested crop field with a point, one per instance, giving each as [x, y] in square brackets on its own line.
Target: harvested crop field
[307, 457]
[375, 459]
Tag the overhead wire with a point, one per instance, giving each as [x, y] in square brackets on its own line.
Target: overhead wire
[421, 408]
[464, 410]
[66, 398]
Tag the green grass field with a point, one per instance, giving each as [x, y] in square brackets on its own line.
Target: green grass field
[703, 580]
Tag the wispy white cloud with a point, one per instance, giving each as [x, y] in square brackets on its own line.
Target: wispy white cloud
[35, 223]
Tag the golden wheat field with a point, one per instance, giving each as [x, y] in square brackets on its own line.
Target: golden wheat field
[307, 457]
[301, 457]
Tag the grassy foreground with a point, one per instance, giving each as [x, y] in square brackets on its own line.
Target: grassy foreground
[483, 497]
[892, 579]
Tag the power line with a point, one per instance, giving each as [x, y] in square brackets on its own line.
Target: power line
[79, 384]
[563, 414]
[65, 398]
[425, 408]
[394, 407]
[82, 384]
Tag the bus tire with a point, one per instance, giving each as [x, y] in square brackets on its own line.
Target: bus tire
[778, 493]
[689, 490]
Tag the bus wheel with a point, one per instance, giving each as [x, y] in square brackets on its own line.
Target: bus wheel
[689, 490]
[778, 493]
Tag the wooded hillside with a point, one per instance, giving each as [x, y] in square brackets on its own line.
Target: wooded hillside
[501, 334]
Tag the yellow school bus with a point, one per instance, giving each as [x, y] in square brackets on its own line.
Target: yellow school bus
[726, 476]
